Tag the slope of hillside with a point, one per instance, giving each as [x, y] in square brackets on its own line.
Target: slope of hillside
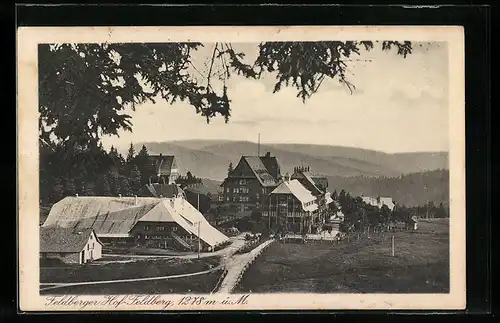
[411, 189]
[341, 164]
[200, 163]
[210, 158]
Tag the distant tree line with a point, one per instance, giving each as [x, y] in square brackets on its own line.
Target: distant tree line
[359, 216]
[409, 189]
[94, 171]
[188, 180]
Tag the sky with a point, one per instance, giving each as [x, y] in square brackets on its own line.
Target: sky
[399, 105]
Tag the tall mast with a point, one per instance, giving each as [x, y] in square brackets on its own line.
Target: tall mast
[258, 147]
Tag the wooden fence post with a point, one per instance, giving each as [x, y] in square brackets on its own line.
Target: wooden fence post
[392, 243]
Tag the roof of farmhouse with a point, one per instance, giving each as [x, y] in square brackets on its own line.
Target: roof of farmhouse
[115, 217]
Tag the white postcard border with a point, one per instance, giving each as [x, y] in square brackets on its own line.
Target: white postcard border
[28, 168]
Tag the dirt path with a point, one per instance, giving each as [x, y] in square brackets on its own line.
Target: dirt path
[236, 265]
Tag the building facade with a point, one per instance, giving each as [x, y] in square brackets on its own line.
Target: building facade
[251, 181]
[292, 207]
[318, 186]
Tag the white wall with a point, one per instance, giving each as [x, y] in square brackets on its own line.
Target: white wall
[93, 249]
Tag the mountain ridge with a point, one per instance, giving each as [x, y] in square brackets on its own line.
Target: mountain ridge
[211, 158]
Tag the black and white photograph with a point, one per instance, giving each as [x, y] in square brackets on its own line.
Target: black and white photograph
[230, 168]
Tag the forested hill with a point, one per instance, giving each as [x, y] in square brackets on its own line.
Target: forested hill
[410, 189]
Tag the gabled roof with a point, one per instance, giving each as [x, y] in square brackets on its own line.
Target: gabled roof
[295, 188]
[158, 214]
[162, 163]
[56, 239]
[260, 171]
[310, 179]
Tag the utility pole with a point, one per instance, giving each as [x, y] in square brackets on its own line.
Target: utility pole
[199, 241]
[198, 205]
[392, 243]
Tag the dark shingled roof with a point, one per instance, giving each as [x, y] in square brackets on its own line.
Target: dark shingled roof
[162, 163]
[260, 170]
[57, 239]
[272, 166]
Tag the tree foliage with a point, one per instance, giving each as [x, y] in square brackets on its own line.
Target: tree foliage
[85, 88]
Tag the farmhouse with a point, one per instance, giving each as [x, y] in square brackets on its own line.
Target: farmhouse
[248, 185]
[165, 168]
[379, 201]
[170, 223]
[293, 206]
[69, 245]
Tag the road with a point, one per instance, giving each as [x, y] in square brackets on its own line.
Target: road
[237, 242]
[236, 265]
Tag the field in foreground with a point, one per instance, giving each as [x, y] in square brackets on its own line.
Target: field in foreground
[420, 265]
[203, 283]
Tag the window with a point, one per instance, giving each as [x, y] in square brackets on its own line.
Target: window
[88, 247]
[161, 228]
[263, 190]
[243, 181]
[228, 190]
[93, 246]
[146, 227]
[227, 199]
[146, 237]
[174, 229]
[257, 195]
[235, 190]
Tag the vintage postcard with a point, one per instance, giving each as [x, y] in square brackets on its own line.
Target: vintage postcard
[241, 168]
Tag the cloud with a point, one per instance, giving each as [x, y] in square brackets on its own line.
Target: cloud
[375, 116]
[417, 99]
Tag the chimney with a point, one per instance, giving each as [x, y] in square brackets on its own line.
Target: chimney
[76, 194]
[268, 154]
[135, 199]
[119, 195]
[161, 196]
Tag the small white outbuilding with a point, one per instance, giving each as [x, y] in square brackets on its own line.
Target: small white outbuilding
[69, 245]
